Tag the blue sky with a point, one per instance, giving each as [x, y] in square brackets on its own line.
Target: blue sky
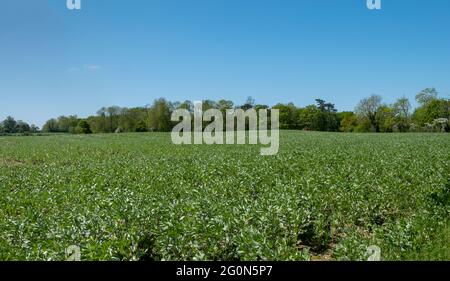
[54, 61]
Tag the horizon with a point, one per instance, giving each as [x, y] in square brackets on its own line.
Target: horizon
[73, 62]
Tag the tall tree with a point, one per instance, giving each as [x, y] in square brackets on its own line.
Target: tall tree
[401, 109]
[326, 118]
[160, 116]
[83, 127]
[22, 127]
[385, 119]
[348, 121]
[288, 116]
[368, 108]
[101, 124]
[51, 126]
[9, 125]
[187, 104]
[224, 105]
[113, 113]
[309, 118]
[427, 95]
[67, 123]
[249, 103]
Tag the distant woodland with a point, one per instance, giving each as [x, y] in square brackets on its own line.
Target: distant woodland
[369, 115]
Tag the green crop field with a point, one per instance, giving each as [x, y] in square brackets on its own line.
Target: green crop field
[139, 197]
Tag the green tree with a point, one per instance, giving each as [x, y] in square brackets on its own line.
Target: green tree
[427, 95]
[349, 121]
[160, 116]
[187, 104]
[67, 124]
[224, 105]
[402, 112]
[34, 129]
[288, 116]
[9, 125]
[141, 126]
[83, 127]
[385, 119]
[249, 103]
[326, 117]
[308, 118]
[368, 109]
[113, 113]
[22, 127]
[432, 110]
[209, 104]
[100, 124]
[51, 126]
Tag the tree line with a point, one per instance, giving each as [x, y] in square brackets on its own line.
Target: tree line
[370, 115]
[11, 126]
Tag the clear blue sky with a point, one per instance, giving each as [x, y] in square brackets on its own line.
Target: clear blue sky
[54, 61]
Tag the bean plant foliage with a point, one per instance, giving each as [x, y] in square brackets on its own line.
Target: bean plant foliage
[325, 196]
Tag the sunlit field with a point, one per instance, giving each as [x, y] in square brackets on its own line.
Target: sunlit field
[325, 196]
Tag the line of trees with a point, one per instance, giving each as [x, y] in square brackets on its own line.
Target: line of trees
[11, 126]
[370, 115]
[432, 115]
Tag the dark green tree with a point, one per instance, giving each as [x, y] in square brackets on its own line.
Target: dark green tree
[83, 127]
[9, 125]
